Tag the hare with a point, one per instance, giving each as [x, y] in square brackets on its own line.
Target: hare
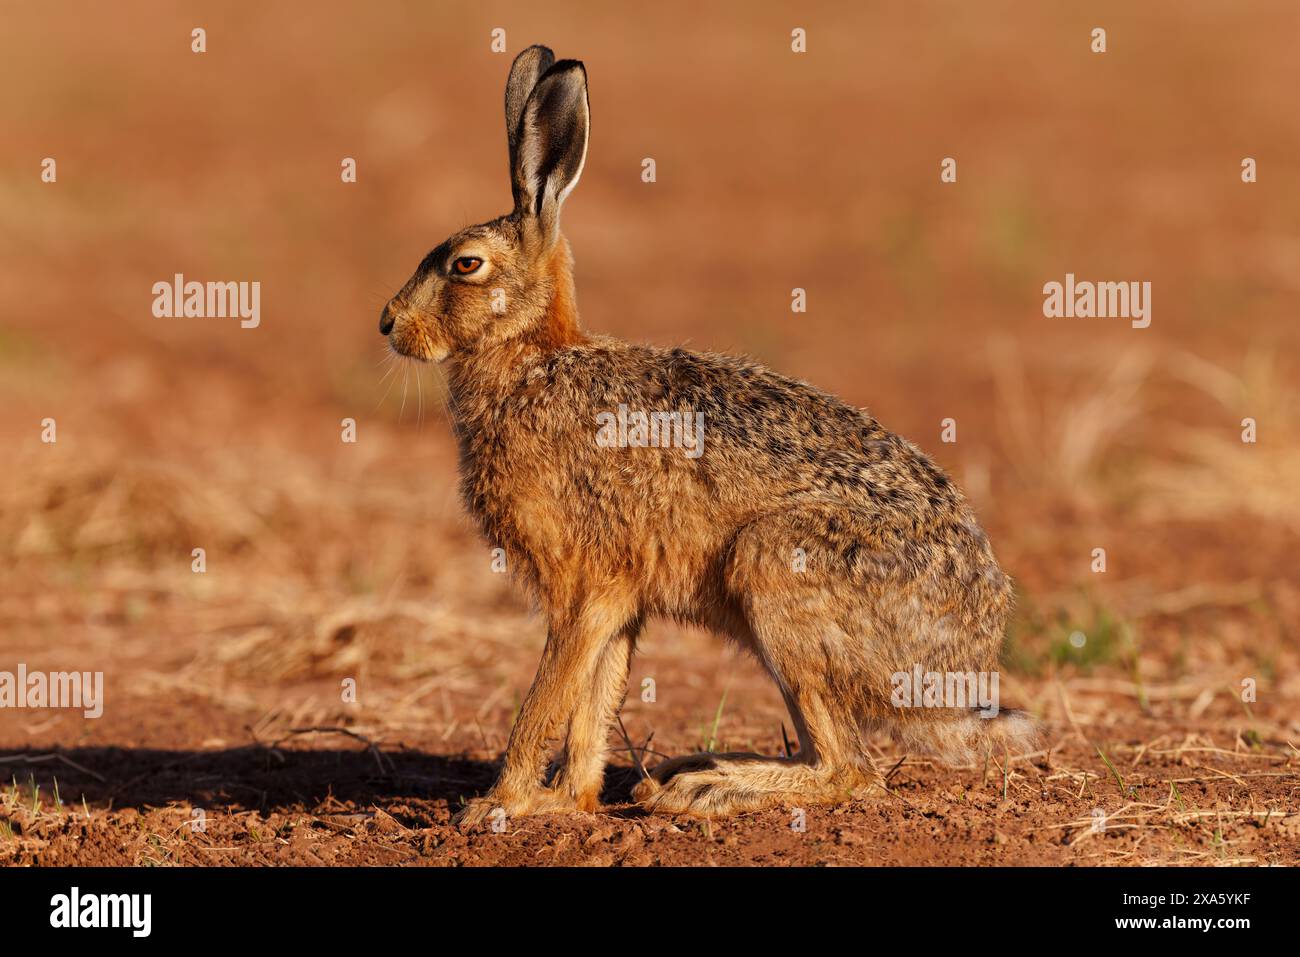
[796, 526]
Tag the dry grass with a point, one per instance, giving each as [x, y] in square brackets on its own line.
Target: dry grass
[1208, 473]
[1066, 435]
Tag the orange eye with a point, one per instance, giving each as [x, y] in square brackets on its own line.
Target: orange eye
[466, 265]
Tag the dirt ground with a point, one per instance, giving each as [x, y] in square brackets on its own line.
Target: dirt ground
[226, 738]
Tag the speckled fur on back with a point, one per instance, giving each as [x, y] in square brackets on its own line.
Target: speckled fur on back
[792, 523]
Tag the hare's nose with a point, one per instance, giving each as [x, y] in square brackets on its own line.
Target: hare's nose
[386, 320]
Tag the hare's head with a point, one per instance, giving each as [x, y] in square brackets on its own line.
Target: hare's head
[511, 277]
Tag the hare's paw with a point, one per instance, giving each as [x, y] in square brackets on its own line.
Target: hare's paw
[706, 785]
[645, 789]
[495, 811]
[713, 793]
[701, 785]
[477, 811]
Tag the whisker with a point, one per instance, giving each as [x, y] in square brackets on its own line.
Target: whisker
[442, 390]
[419, 421]
[450, 400]
[452, 411]
[392, 356]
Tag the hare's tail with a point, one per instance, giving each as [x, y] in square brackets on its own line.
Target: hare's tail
[966, 737]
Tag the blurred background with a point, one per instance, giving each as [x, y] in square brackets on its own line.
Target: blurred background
[775, 170]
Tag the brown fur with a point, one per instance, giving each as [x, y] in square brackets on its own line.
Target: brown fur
[895, 572]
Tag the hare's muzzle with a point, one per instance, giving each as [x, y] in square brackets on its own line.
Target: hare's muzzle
[386, 319]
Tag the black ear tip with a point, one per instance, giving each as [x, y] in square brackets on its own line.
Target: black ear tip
[564, 66]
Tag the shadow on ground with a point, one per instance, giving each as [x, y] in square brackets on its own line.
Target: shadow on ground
[259, 777]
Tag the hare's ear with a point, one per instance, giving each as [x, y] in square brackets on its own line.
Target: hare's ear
[524, 74]
[552, 145]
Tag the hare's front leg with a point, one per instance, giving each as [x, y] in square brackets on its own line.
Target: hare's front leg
[581, 771]
[574, 646]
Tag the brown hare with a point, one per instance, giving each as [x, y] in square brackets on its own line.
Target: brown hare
[625, 481]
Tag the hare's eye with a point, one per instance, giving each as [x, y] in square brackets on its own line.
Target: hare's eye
[466, 265]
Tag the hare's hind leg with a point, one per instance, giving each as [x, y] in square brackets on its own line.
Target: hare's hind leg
[794, 615]
[828, 768]
[581, 766]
